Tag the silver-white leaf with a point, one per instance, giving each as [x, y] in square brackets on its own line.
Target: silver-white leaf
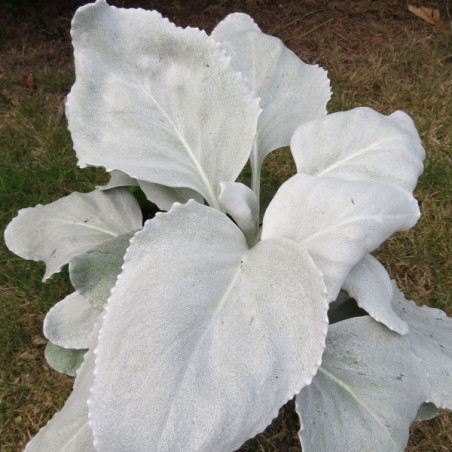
[431, 340]
[69, 430]
[366, 393]
[64, 360]
[370, 285]
[118, 179]
[164, 197]
[361, 144]
[291, 91]
[241, 203]
[59, 231]
[70, 322]
[156, 101]
[337, 221]
[204, 339]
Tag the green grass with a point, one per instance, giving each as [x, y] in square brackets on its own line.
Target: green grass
[412, 72]
[38, 166]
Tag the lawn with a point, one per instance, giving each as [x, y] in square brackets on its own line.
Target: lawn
[376, 53]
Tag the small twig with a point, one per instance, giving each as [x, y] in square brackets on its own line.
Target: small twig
[293, 22]
[340, 36]
[318, 26]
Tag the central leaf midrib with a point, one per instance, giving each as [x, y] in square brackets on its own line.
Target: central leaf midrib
[340, 224]
[339, 163]
[213, 199]
[350, 391]
[198, 343]
[88, 226]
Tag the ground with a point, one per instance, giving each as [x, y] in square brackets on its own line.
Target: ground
[377, 54]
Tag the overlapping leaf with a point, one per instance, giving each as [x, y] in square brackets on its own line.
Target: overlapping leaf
[69, 430]
[155, 101]
[204, 339]
[370, 285]
[164, 197]
[57, 232]
[291, 91]
[94, 273]
[337, 221]
[70, 322]
[431, 340]
[118, 179]
[64, 360]
[239, 201]
[360, 144]
[366, 393]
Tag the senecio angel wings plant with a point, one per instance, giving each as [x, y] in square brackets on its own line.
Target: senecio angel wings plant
[190, 332]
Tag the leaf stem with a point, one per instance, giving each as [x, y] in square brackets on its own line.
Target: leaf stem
[256, 179]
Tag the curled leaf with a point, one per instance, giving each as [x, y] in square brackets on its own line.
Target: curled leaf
[240, 202]
[370, 285]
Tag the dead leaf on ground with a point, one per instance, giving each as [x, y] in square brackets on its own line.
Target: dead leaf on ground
[430, 15]
[30, 81]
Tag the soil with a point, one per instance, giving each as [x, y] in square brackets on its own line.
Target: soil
[309, 27]
[329, 33]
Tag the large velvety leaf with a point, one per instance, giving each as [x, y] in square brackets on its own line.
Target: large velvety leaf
[338, 222]
[57, 232]
[70, 322]
[68, 430]
[94, 273]
[431, 339]
[370, 285]
[158, 102]
[204, 339]
[366, 393]
[360, 144]
[291, 91]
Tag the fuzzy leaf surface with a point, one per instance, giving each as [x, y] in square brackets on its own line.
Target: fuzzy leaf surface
[361, 144]
[431, 340]
[366, 393]
[291, 91]
[64, 360]
[70, 322]
[204, 339]
[338, 222]
[370, 285]
[59, 231]
[68, 430]
[156, 101]
[94, 273]
[164, 197]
